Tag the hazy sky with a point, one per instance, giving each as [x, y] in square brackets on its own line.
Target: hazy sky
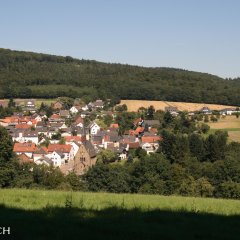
[201, 35]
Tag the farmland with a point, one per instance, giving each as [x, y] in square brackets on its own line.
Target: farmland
[231, 124]
[61, 215]
[134, 105]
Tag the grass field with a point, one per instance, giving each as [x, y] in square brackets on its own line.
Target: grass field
[134, 105]
[231, 124]
[40, 214]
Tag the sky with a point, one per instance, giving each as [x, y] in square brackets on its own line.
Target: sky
[198, 35]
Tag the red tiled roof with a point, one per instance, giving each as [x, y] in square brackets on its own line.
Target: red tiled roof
[55, 116]
[24, 119]
[59, 147]
[24, 147]
[114, 125]
[79, 120]
[10, 119]
[153, 130]
[151, 139]
[139, 130]
[134, 145]
[73, 138]
[41, 150]
[23, 126]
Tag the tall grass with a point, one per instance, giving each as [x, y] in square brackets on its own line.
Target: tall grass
[38, 199]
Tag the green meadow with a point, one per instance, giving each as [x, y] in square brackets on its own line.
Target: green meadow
[42, 214]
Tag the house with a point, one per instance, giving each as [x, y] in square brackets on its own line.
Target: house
[37, 118]
[150, 143]
[93, 128]
[57, 105]
[79, 122]
[228, 111]
[84, 114]
[149, 138]
[64, 113]
[39, 153]
[205, 110]
[9, 121]
[98, 103]
[30, 103]
[83, 160]
[40, 124]
[114, 125]
[23, 126]
[70, 139]
[57, 158]
[85, 108]
[24, 136]
[23, 158]
[66, 149]
[55, 118]
[45, 161]
[75, 145]
[75, 109]
[27, 148]
[30, 136]
[149, 148]
[172, 110]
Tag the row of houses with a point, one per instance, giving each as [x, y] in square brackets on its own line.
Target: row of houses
[204, 110]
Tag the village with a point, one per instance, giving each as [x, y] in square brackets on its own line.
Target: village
[72, 137]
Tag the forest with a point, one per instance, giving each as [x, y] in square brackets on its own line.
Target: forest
[28, 75]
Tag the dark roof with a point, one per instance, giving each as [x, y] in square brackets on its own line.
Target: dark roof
[171, 109]
[46, 159]
[90, 148]
[28, 133]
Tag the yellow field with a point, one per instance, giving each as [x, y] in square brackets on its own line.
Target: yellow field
[228, 122]
[134, 105]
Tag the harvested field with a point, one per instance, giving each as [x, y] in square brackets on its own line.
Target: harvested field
[227, 122]
[134, 105]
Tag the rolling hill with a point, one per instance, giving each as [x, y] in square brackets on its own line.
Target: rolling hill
[27, 75]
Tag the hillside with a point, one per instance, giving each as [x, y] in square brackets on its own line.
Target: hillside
[26, 74]
[75, 215]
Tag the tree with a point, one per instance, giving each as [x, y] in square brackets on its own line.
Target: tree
[204, 128]
[11, 103]
[141, 153]
[204, 188]
[6, 146]
[206, 118]
[150, 112]
[106, 156]
[107, 119]
[168, 118]
[196, 144]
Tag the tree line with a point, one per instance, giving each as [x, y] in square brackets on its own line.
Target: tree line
[33, 75]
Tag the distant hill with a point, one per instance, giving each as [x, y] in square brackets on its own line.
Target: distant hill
[27, 75]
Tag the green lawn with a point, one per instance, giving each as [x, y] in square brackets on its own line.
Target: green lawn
[40, 214]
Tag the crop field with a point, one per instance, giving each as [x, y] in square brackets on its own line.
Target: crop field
[231, 124]
[134, 105]
[42, 214]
